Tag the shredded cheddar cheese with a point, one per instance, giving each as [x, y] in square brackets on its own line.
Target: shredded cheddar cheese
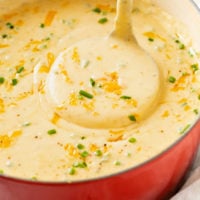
[49, 18]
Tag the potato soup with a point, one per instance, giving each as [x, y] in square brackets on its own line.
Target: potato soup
[67, 115]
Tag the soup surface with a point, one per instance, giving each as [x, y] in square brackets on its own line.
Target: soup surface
[66, 115]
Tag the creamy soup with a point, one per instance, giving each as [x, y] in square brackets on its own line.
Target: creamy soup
[73, 105]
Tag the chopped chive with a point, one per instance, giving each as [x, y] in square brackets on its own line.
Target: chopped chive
[185, 73]
[196, 111]
[52, 131]
[85, 94]
[84, 154]
[34, 178]
[26, 124]
[117, 163]
[172, 79]
[4, 36]
[195, 67]
[98, 153]
[191, 52]
[42, 25]
[2, 79]
[132, 118]
[80, 164]
[129, 154]
[10, 25]
[80, 146]
[47, 39]
[72, 171]
[85, 63]
[1, 171]
[181, 46]
[103, 20]
[199, 96]
[80, 97]
[132, 140]
[92, 82]
[14, 82]
[44, 46]
[185, 129]
[83, 138]
[125, 97]
[20, 69]
[150, 39]
[96, 10]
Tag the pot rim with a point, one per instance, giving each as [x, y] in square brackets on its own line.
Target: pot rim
[134, 168]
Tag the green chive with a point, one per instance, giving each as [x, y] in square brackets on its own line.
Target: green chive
[129, 154]
[85, 63]
[14, 81]
[84, 154]
[172, 79]
[117, 163]
[92, 82]
[185, 129]
[4, 36]
[195, 67]
[150, 39]
[80, 164]
[34, 178]
[20, 69]
[83, 138]
[85, 94]
[132, 118]
[196, 111]
[132, 140]
[42, 25]
[96, 10]
[72, 171]
[80, 97]
[80, 146]
[191, 52]
[199, 96]
[47, 39]
[103, 20]
[125, 97]
[2, 79]
[26, 124]
[98, 153]
[52, 131]
[181, 46]
[1, 171]
[9, 25]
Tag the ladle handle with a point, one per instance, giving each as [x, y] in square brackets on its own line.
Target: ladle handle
[123, 24]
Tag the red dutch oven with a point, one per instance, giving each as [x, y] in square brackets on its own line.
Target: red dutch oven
[158, 178]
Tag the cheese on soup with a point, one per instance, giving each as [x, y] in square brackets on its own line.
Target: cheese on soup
[66, 115]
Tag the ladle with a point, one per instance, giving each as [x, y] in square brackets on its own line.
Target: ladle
[125, 80]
